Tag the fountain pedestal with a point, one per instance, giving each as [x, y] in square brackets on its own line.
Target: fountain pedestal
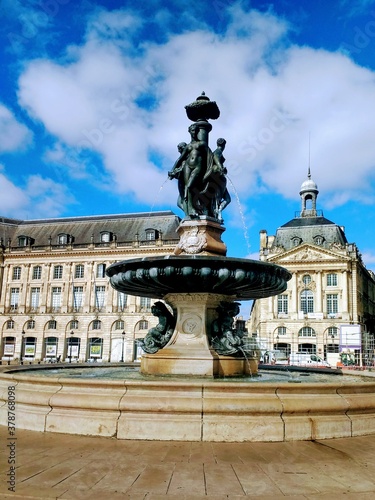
[201, 236]
[189, 352]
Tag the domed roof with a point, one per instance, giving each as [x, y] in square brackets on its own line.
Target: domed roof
[308, 185]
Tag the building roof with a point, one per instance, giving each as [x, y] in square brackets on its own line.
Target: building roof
[125, 227]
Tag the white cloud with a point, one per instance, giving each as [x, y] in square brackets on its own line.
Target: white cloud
[13, 199]
[271, 95]
[13, 134]
[38, 196]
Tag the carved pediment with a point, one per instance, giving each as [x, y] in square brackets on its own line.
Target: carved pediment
[306, 253]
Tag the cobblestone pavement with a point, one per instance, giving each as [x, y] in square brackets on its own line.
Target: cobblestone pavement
[68, 467]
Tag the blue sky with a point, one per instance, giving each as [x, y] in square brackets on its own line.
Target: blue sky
[92, 107]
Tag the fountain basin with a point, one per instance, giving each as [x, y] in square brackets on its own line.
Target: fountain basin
[189, 410]
[155, 277]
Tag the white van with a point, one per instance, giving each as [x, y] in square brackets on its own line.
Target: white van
[301, 359]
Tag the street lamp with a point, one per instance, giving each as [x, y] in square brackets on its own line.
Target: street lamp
[22, 346]
[70, 347]
[122, 347]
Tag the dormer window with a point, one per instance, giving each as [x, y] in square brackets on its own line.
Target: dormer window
[23, 241]
[296, 241]
[151, 234]
[105, 237]
[62, 239]
[319, 240]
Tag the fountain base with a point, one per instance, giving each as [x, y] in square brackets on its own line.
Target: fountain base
[196, 362]
[189, 351]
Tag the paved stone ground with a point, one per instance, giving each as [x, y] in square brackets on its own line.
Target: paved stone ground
[51, 466]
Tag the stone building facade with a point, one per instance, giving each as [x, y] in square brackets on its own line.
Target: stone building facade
[331, 296]
[55, 298]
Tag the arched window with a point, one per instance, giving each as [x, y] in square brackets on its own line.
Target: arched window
[96, 324]
[306, 279]
[281, 330]
[105, 237]
[307, 331]
[73, 325]
[119, 325]
[142, 325]
[333, 332]
[307, 301]
[62, 239]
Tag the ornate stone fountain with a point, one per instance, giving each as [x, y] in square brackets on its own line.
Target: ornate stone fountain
[199, 283]
[194, 336]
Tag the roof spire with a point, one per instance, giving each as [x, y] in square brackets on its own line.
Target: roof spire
[309, 173]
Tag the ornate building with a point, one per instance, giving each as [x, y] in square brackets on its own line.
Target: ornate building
[56, 301]
[329, 305]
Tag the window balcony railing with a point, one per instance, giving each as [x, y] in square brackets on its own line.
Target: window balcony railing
[53, 309]
[12, 308]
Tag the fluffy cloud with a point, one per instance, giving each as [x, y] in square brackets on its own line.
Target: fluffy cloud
[126, 103]
[38, 196]
[13, 134]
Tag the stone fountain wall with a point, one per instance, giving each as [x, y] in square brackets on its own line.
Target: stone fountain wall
[185, 410]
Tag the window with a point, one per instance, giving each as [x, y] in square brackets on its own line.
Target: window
[96, 324]
[282, 304]
[331, 279]
[52, 325]
[332, 303]
[333, 331]
[34, 299]
[79, 271]
[62, 239]
[73, 347]
[122, 299]
[95, 347]
[51, 347]
[119, 325]
[29, 347]
[10, 324]
[306, 279]
[22, 241]
[150, 234]
[74, 324]
[145, 302]
[56, 298]
[318, 240]
[57, 272]
[14, 298]
[105, 237]
[77, 297]
[16, 273]
[99, 296]
[307, 331]
[143, 325]
[100, 271]
[37, 272]
[30, 324]
[296, 241]
[307, 301]
[9, 346]
[281, 330]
